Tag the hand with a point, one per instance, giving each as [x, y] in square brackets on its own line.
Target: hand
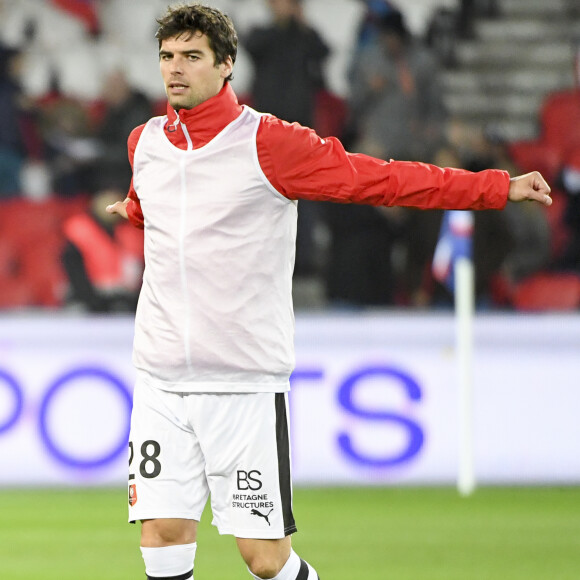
[119, 207]
[532, 187]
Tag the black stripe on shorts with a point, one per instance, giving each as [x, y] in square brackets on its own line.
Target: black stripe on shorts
[283, 447]
[185, 576]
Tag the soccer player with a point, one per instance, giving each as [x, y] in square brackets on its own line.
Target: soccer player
[215, 185]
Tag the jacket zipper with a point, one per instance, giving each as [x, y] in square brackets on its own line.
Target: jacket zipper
[182, 229]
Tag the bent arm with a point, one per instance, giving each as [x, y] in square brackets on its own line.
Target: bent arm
[130, 207]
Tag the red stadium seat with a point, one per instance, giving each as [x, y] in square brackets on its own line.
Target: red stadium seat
[330, 114]
[16, 293]
[560, 119]
[559, 232]
[536, 156]
[559, 135]
[548, 291]
[31, 243]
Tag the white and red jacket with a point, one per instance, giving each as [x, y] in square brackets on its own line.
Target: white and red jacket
[215, 188]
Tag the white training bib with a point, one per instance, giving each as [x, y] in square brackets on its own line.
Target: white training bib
[215, 311]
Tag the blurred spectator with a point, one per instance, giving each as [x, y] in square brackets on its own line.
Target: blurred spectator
[369, 28]
[530, 246]
[103, 258]
[288, 57]
[367, 36]
[492, 244]
[87, 153]
[570, 182]
[492, 238]
[470, 9]
[359, 270]
[530, 243]
[377, 256]
[450, 25]
[71, 146]
[443, 33]
[572, 8]
[511, 245]
[508, 246]
[13, 123]
[419, 238]
[124, 109]
[396, 98]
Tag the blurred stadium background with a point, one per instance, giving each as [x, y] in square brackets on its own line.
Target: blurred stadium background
[375, 411]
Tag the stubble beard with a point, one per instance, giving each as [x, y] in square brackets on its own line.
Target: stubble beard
[186, 101]
[182, 103]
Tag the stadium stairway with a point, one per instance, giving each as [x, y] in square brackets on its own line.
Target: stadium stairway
[513, 60]
[516, 73]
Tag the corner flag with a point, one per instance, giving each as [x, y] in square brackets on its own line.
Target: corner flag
[455, 241]
[453, 267]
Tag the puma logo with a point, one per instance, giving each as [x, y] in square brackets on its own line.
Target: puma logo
[255, 512]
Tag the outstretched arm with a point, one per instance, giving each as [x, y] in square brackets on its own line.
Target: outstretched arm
[302, 165]
[530, 187]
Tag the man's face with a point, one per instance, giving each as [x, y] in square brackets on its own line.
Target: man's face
[283, 9]
[189, 71]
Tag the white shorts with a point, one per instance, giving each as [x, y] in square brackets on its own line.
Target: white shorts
[185, 446]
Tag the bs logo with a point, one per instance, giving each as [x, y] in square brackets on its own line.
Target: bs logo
[248, 480]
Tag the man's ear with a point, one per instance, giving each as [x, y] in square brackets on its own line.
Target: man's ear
[226, 67]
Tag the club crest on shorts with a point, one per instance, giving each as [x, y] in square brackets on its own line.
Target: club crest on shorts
[132, 494]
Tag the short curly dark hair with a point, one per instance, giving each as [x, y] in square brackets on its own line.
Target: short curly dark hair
[187, 19]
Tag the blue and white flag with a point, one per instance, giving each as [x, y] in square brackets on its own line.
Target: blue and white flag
[455, 241]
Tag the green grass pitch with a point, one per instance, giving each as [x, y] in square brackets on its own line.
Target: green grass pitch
[347, 533]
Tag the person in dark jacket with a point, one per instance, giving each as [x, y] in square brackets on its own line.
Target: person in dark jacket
[12, 142]
[125, 108]
[288, 57]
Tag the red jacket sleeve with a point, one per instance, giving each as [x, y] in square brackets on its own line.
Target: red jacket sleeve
[302, 165]
[134, 206]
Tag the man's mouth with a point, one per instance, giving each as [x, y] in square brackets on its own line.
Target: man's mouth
[175, 86]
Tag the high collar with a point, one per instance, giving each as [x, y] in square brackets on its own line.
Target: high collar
[204, 121]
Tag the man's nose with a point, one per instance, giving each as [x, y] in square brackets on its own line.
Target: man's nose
[176, 66]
